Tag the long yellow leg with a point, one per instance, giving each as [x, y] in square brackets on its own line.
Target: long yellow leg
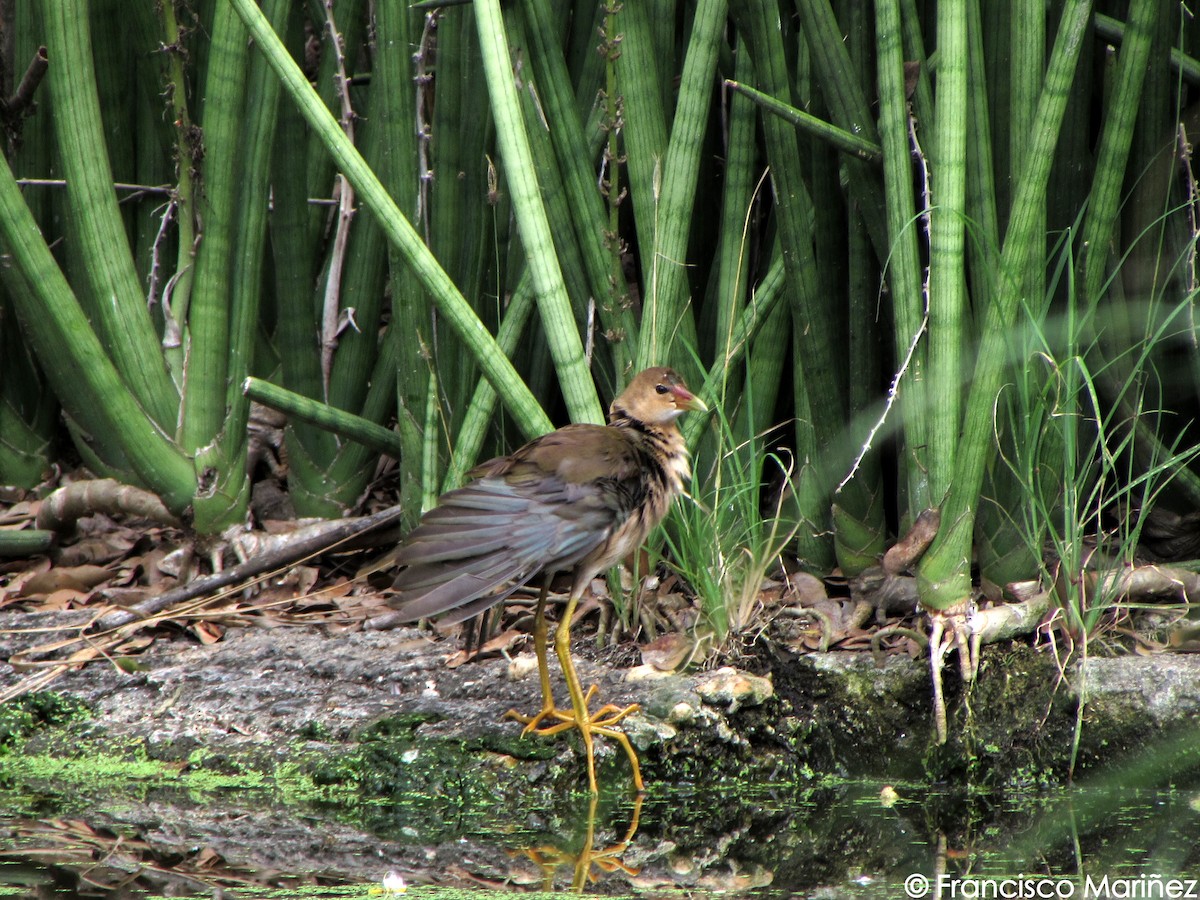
[539, 648]
[603, 721]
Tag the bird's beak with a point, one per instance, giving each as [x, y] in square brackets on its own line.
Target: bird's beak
[685, 399]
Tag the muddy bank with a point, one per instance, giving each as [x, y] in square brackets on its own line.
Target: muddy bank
[411, 753]
[266, 692]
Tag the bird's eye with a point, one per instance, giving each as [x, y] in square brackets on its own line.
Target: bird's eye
[661, 388]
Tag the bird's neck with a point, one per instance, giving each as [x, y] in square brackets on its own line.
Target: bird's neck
[664, 442]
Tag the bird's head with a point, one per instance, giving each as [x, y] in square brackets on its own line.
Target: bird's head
[656, 396]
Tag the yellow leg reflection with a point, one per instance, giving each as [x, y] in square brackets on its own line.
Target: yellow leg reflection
[606, 860]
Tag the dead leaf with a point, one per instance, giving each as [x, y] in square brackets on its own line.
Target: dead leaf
[77, 578]
[808, 589]
[502, 641]
[64, 598]
[207, 858]
[902, 555]
[132, 646]
[208, 632]
[94, 550]
[666, 652]
[498, 644]
[306, 578]
[459, 658]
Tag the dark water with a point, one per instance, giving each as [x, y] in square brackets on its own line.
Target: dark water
[824, 839]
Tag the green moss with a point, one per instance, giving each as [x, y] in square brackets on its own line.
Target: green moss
[22, 717]
[1014, 728]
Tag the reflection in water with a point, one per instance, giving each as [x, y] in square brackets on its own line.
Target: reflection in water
[844, 839]
[584, 855]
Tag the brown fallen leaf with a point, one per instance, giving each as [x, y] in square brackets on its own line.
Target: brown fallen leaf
[902, 555]
[63, 598]
[808, 589]
[207, 632]
[133, 645]
[76, 578]
[667, 652]
[501, 642]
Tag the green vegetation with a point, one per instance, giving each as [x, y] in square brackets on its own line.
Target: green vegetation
[20, 718]
[721, 540]
[993, 212]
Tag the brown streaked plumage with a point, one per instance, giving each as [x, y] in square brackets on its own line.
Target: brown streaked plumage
[578, 500]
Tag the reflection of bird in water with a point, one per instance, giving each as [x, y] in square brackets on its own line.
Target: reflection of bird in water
[550, 858]
[579, 499]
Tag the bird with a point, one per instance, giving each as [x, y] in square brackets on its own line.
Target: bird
[578, 500]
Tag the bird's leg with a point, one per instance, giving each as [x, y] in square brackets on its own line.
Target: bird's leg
[579, 715]
[602, 722]
[539, 648]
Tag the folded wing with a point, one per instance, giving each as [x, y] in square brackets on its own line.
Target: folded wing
[494, 535]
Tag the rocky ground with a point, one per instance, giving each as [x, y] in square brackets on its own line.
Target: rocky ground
[382, 717]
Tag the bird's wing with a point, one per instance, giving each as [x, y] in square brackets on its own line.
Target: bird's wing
[543, 509]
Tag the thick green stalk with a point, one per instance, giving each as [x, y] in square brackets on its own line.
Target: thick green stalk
[459, 223]
[589, 214]
[295, 265]
[663, 31]
[668, 317]
[846, 141]
[322, 415]
[239, 137]
[116, 92]
[859, 517]
[947, 287]
[902, 264]
[457, 312]
[469, 439]
[455, 148]
[914, 51]
[1099, 226]
[584, 65]
[175, 307]
[75, 363]
[737, 196]
[983, 247]
[355, 464]
[362, 286]
[429, 496]
[553, 193]
[859, 524]
[207, 332]
[1003, 548]
[558, 321]
[30, 542]
[28, 412]
[818, 374]
[397, 29]
[1027, 59]
[766, 370]
[944, 576]
[257, 140]
[847, 102]
[794, 208]
[1113, 31]
[637, 93]
[111, 290]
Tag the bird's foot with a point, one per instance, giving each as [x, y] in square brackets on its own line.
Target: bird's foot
[533, 724]
[603, 721]
[613, 712]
